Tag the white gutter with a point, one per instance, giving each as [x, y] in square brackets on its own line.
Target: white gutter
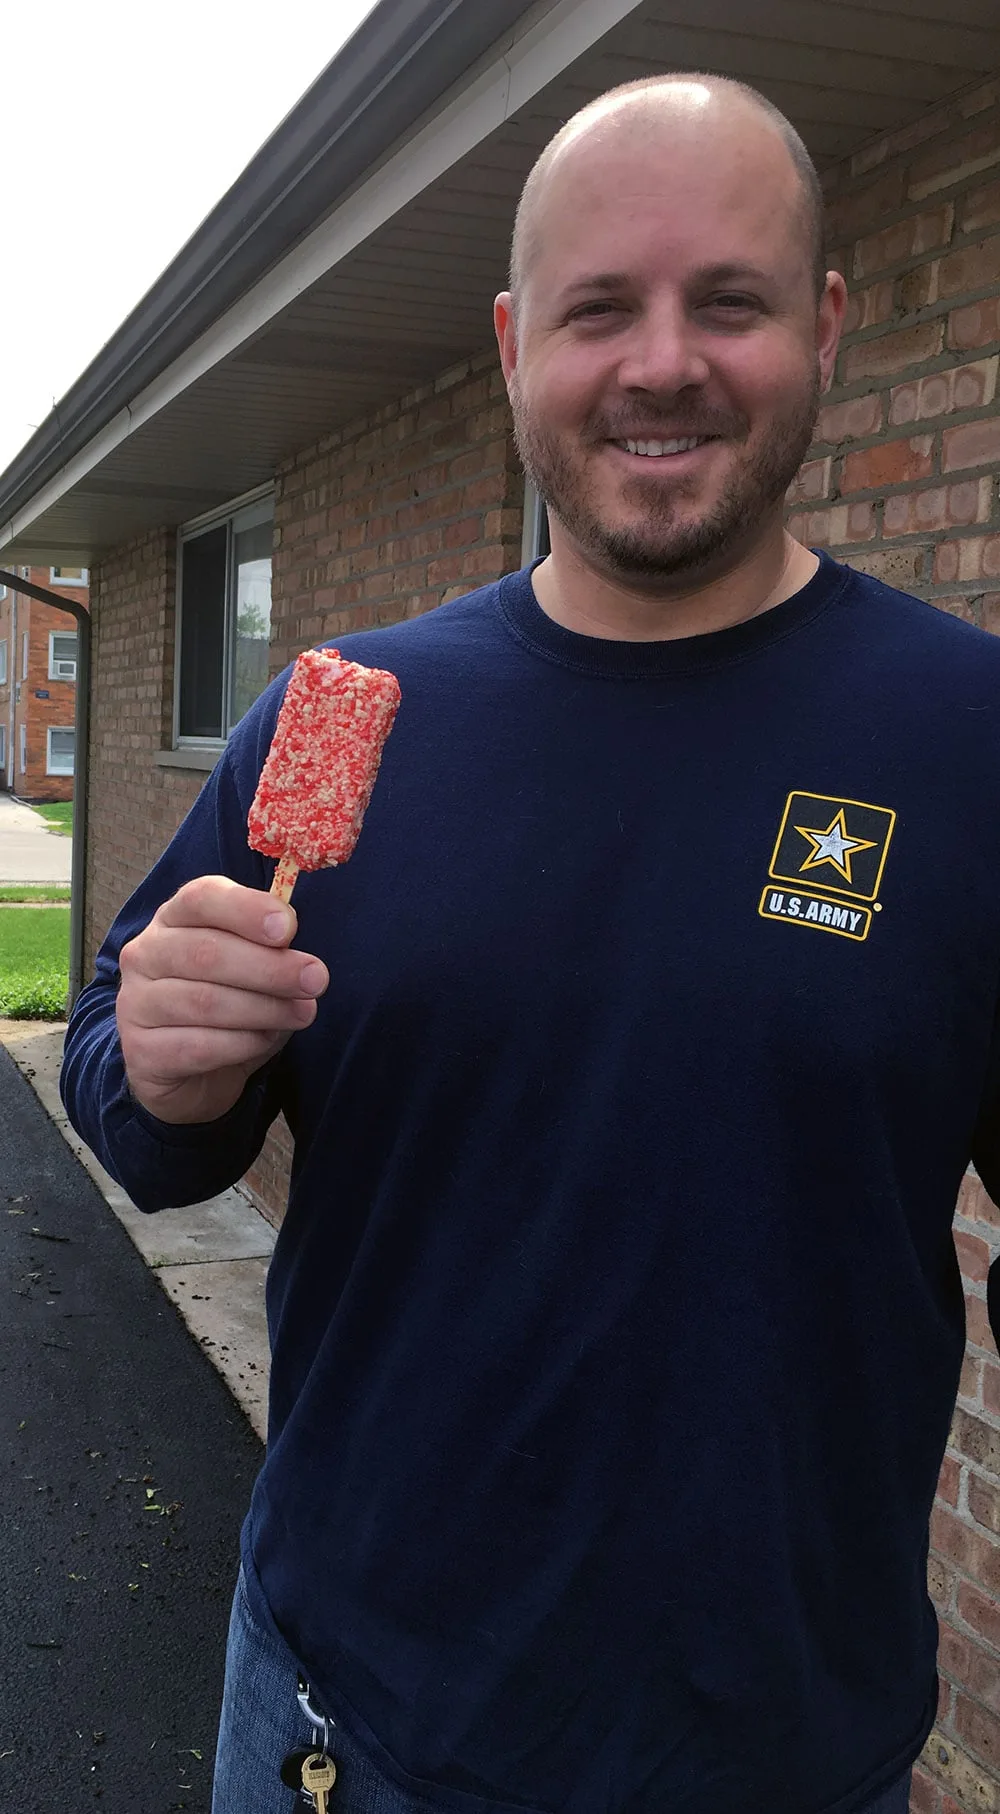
[543, 45]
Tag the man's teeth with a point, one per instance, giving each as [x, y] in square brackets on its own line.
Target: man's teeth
[663, 447]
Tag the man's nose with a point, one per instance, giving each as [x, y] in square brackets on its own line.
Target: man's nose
[664, 352]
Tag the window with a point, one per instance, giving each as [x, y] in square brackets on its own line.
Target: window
[3, 662]
[535, 532]
[3, 746]
[224, 632]
[62, 655]
[24, 656]
[60, 749]
[23, 751]
[69, 576]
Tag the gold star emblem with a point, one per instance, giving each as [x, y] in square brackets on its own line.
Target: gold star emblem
[834, 846]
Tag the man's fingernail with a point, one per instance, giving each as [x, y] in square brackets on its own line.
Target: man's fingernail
[276, 926]
[312, 978]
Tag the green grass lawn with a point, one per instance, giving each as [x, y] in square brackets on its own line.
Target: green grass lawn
[33, 891]
[58, 816]
[34, 963]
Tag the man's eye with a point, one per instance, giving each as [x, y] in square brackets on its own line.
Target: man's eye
[594, 311]
[733, 303]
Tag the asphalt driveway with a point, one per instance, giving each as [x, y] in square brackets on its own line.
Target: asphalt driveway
[127, 1469]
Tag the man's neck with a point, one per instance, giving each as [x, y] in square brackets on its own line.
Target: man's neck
[582, 599]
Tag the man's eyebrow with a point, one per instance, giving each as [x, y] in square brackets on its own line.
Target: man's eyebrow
[728, 271]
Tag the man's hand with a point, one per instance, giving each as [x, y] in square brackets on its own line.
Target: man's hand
[209, 993]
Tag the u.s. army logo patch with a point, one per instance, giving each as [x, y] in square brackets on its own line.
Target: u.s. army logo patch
[830, 853]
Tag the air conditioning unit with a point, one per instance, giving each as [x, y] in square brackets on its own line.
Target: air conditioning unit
[64, 670]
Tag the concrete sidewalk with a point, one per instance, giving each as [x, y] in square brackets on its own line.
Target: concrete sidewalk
[29, 851]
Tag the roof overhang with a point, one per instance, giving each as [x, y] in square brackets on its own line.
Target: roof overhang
[358, 255]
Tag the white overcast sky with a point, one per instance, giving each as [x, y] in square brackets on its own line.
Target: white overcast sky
[123, 125]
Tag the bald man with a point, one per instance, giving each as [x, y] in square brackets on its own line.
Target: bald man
[633, 1064]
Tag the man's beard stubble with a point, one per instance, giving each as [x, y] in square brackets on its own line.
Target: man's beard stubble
[660, 547]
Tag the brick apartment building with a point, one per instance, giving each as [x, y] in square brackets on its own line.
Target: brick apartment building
[38, 656]
[324, 444]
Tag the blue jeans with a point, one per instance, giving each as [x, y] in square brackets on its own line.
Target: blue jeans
[261, 1723]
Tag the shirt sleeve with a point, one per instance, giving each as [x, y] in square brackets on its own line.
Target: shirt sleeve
[161, 1164]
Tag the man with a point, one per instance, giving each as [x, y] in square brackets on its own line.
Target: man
[633, 1064]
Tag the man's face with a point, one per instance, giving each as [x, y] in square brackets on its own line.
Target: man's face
[667, 357]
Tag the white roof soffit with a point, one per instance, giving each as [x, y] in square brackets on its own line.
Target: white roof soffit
[545, 42]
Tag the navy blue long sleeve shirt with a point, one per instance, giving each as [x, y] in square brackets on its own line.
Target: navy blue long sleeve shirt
[616, 1320]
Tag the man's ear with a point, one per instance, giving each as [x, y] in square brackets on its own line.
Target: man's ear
[829, 325]
[506, 332]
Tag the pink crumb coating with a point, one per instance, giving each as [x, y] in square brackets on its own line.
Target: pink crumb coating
[317, 781]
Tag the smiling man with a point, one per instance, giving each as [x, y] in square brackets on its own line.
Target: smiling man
[615, 1318]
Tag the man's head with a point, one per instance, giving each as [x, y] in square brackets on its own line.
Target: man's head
[666, 287]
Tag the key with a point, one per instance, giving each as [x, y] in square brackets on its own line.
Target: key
[319, 1774]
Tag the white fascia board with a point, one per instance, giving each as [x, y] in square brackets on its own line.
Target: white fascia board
[545, 43]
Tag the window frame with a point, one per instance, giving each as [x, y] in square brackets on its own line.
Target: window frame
[61, 730]
[81, 584]
[3, 750]
[535, 525]
[53, 675]
[247, 512]
[3, 661]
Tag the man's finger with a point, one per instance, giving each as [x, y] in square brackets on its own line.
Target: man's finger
[247, 912]
[209, 1004]
[206, 955]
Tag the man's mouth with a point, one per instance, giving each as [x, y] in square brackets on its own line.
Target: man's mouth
[657, 449]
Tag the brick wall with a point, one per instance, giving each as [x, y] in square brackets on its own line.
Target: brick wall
[134, 806]
[902, 479]
[393, 515]
[902, 483]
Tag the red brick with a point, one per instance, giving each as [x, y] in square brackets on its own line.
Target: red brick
[889, 353]
[970, 268]
[971, 444]
[919, 233]
[984, 1503]
[888, 463]
[991, 1389]
[969, 1381]
[975, 1203]
[980, 1730]
[980, 1612]
[977, 1440]
[925, 1797]
[811, 481]
[972, 1552]
[990, 602]
[962, 387]
[954, 159]
[977, 1325]
[977, 324]
[869, 308]
[849, 216]
[936, 508]
[837, 527]
[850, 420]
[949, 1480]
[980, 209]
[973, 1256]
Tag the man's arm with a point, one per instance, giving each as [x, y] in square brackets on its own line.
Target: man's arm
[172, 1063]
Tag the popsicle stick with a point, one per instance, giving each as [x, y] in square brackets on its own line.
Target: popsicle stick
[284, 878]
